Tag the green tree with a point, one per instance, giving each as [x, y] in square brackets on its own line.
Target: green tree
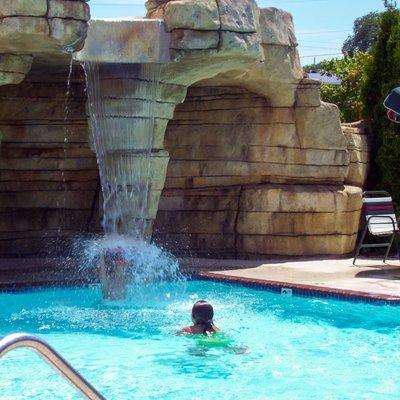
[383, 74]
[365, 33]
[347, 96]
[312, 67]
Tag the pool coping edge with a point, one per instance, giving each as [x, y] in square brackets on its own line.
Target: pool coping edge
[300, 289]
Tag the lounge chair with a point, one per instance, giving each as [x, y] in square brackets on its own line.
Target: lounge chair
[380, 221]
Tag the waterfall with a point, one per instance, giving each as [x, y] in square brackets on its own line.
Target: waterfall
[122, 100]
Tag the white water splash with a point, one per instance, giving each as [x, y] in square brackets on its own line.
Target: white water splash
[147, 262]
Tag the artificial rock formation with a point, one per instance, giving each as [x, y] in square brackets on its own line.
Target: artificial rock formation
[48, 174]
[190, 58]
[259, 165]
[249, 179]
[359, 150]
[43, 28]
[252, 163]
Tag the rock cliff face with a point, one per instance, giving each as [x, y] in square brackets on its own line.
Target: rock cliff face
[258, 164]
[48, 174]
[246, 179]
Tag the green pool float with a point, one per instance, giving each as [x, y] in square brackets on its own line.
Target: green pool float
[214, 340]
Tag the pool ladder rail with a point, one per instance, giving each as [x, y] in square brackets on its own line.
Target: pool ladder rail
[18, 340]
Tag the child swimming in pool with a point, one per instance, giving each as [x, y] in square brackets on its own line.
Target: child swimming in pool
[113, 271]
[202, 317]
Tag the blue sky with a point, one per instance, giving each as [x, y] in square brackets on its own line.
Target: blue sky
[321, 25]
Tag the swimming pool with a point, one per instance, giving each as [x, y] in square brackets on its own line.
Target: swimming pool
[284, 347]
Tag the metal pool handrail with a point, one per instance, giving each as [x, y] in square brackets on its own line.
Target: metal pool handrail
[17, 340]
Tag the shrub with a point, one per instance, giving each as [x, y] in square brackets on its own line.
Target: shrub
[347, 96]
[382, 75]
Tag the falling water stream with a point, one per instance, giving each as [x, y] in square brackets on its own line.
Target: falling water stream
[63, 186]
[121, 104]
[122, 101]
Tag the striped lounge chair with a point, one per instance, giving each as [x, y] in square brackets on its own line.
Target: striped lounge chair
[380, 221]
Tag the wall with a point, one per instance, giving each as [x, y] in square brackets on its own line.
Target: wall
[238, 184]
[248, 180]
[259, 165]
[48, 174]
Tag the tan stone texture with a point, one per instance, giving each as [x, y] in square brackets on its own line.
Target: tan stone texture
[359, 149]
[68, 33]
[282, 63]
[302, 199]
[238, 15]
[14, 33]
[275, 216]
[232, 133]
[48, 174]
[276, 27]
[13, 63]
[319, 127]
[69, 9]
[224, 136]
[122, 41]
[308, 93]
[235, 50]
[201, 245]
[44, 28]
[35, 8]
[278, 73]
[14, 68]
[258, 165]
[186, 39]
[30, 35]
[187, 14]
[290, 223]
[135, 89]
[152, 5]
[257, 246]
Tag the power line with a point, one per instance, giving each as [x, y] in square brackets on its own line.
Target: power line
[322, 55]
[318, 47]
[116, 5]
[339, 42]
[299, 33]
[299, 1]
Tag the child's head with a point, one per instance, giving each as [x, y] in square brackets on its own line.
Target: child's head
[203, 314]
[114, 257]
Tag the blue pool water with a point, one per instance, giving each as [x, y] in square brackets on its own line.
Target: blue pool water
[284, 347]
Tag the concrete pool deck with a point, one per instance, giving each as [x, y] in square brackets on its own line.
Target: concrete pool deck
[370, 279]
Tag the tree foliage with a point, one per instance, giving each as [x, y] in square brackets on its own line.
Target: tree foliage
[312, 67]
[347, 96]
[383, 74]
[365, 33]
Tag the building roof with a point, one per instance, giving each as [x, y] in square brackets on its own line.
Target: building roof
[328, 80]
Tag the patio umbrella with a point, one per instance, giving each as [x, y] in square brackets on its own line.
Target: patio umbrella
[392, 103]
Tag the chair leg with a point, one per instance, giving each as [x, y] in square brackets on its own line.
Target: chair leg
[360, 243]
[389, 247]
[396, 241]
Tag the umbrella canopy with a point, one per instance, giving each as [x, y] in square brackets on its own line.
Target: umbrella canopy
[393, 116]
[392, 102]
